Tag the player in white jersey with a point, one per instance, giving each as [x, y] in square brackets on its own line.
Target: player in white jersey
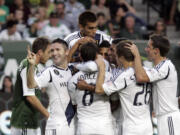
[55, 78]
[88, 27]
[164, 78]
[93, 110]
[134, 97]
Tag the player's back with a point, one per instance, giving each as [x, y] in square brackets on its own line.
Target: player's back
[134, 99]
[93, 110]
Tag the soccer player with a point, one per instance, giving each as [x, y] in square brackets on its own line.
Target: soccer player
[55, 78]
[164, 78]
[26, 103]
[134, 97]
[88, 27]
[93, 110]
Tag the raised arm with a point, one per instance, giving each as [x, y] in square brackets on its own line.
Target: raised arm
[101, 75]
[31, 83]
[76, 46]
[141, 75]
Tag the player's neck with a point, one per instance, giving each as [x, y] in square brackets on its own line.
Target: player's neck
[63, 65]
[158, 60]
[127, 65]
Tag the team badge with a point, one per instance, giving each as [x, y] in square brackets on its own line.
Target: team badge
[56, 72]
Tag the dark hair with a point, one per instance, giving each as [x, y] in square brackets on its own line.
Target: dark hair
[3, 85]
[54, 15]
[122, 51]
[40, 43]
[61, 3]
[104, 44]
[117, 40]
[88, 51]
[100, 14]
[86, 17]
[164, 25]
[11, 23]
[61, 41]
[162, 43]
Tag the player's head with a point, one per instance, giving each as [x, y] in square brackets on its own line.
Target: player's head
[158, 46]
[88, 24]
[123, 54]
[88, 51]
[59, 51]
[104, 48]
[112, 50]
[41, 47]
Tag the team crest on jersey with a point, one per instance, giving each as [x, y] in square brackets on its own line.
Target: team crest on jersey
[56, 72]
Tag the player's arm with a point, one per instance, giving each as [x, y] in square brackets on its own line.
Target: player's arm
[141, 75]
[83, 85]
[76, 46]
[101, 76]
[34, 101]
[31, 57]
[30, 82]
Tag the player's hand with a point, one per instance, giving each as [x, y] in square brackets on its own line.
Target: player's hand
[31, 57]
[133, 48]
[81, 85]
[85, 40]
[100, 61]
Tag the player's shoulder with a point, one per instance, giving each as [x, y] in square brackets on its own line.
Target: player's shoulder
[122, 73]
[72, 36]
[164, 65]
[104, 35]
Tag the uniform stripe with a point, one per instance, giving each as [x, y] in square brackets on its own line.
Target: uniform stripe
[54, 132]
[170, 126]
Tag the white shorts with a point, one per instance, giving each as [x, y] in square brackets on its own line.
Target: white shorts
[140, 129]
[60, 130]
[97, 128]
[169, 124]
[27, 131]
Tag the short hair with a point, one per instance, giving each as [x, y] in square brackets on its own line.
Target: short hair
[104, 44]
[121, 50]
[54, 15]
[61, 3]
[100, 14]
[162, 43]
[86, 17]
[11, 23]
[117, 40]
[61, 41]
[40, 43]
[88, 51]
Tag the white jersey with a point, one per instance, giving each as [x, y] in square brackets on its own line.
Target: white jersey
[134, 101]
[93, 110]
[164, 78]
[55, 79]
[100, 36]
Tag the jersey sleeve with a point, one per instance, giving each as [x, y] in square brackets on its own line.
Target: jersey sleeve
[114, 85]
[26, 90]
[42, 79]
[72, 86]
[156, 74]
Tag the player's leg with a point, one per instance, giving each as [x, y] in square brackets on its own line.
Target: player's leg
[25, 131]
